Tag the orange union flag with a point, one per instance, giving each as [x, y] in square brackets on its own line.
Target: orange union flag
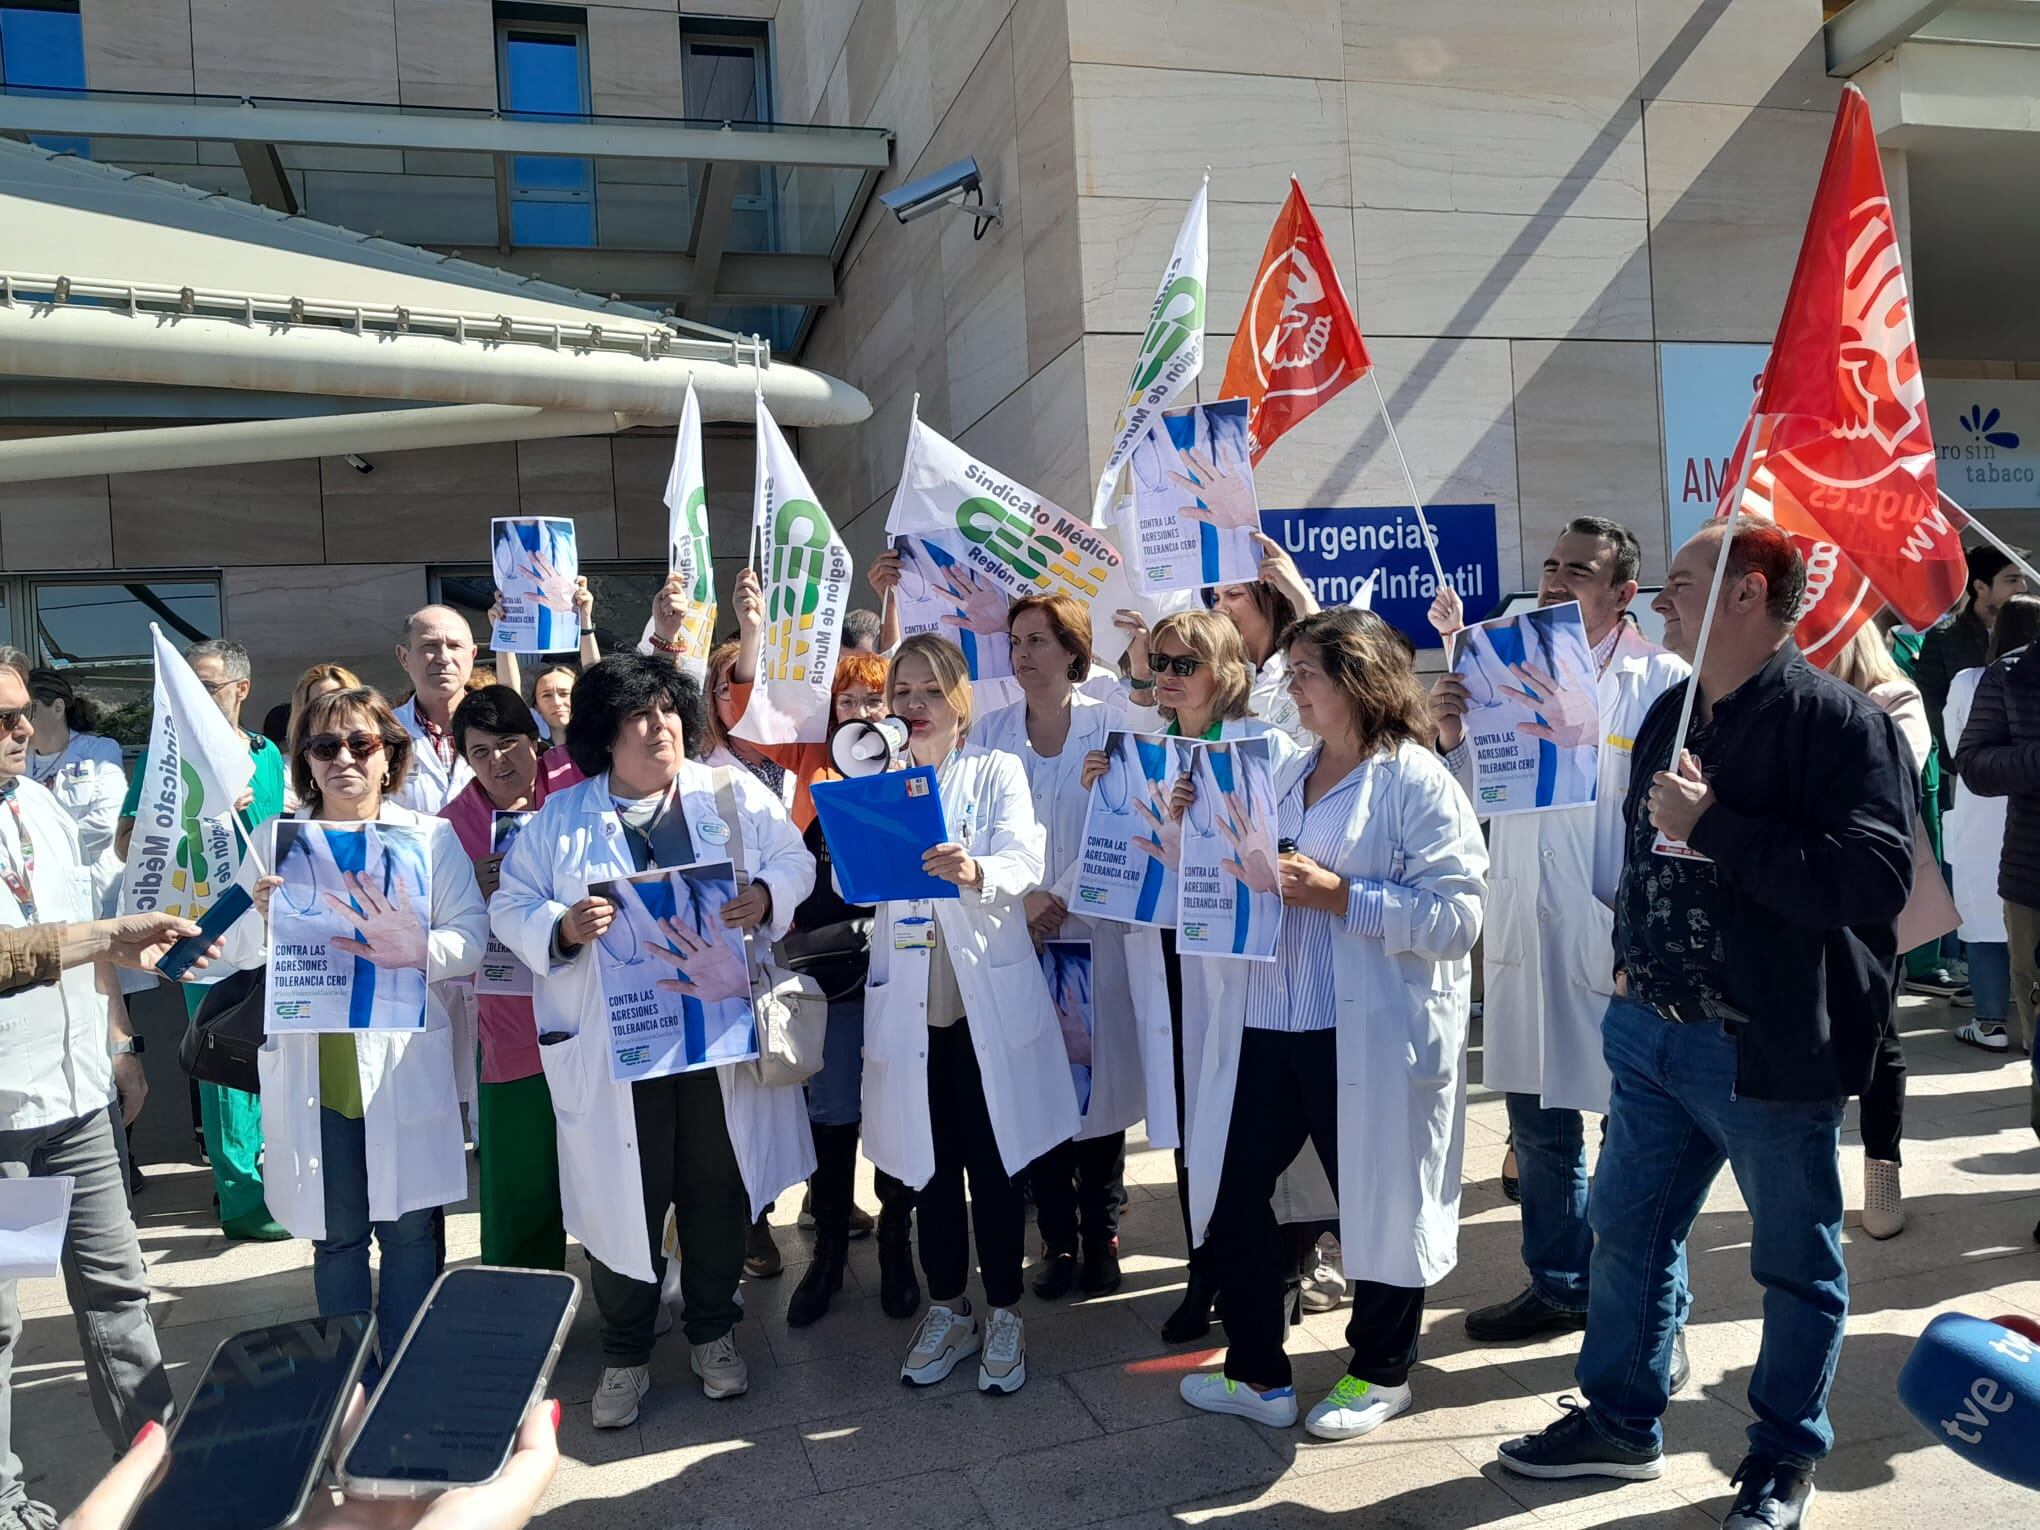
[1840, 422]
[1298, 344]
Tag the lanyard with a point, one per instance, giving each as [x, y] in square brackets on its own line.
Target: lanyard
[17, 876]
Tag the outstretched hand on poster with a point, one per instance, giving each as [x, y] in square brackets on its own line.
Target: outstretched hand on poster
[980, 604]
[1249, 863]
[710, 971]
[392, 935]
[1220, 495]
[1167, 844]
[1571, 712]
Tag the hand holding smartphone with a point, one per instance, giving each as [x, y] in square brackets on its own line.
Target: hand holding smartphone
[228, 907]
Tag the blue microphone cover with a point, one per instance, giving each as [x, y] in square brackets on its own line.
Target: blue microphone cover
[1975, 1386]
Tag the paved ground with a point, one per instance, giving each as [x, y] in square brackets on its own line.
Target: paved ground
[1099, 1435]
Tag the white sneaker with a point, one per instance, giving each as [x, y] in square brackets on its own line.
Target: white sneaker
[1324, 1283]
[1991, 1038]
[1355, 1407]
[945, 1337]
[1003, 1365]
[616, 1400]
[721, 1369]
[1215, 1393]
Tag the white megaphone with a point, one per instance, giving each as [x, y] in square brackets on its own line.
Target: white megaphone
[868, 748]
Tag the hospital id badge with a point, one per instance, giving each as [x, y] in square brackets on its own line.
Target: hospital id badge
[914, 933]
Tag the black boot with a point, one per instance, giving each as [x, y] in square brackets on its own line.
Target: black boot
[824, 1278]
[1101, 1266]
[1058, 1276]
[1192, 1317]
[899, 1292]
[835, 1175]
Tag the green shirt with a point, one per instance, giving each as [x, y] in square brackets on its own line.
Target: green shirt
[339, 1076]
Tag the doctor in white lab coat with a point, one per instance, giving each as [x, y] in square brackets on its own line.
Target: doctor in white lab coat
[1055, 725]
[438, 653]
[1353, 1039]
[361, 1130]
[1548, 959]
[965, 1070]
[714, 1143]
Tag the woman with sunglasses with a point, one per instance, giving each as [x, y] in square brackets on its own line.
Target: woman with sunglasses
[965, 1071]
[1352, 1040]
[1077, 1184]
[1189, 679]
[361, 1130]
[715, 1143]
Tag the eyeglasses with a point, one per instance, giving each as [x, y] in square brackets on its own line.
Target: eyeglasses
[13, 718]
[214, 687]
[859, 706]
[1181, 665]
[327, 746]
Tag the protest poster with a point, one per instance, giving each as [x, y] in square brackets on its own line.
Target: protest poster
[940, 593]
[998, 535]
[536, 561]
[501, 973]
[1067, 966]
[34, 1211]
[1194, 508]
[1533, 710]
[676, 985]
[804, 569]
[1229, 898]
[186, 847]
[348, 928]
[688, 555]
[1132, 845]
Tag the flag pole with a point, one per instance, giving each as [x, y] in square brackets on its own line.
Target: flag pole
[1742, 484]
[1409, 482]
[1973, 523]
[757, 415]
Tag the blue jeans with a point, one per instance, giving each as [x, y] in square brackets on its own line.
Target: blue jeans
[1674, 1121]
[409, 1245]
[1990, 980]
[835, 1095]
[1551, 1167]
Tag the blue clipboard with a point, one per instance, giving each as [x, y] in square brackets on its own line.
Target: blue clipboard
[878, 828]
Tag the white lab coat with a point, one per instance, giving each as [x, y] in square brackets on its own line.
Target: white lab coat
[430, 784]
[1548, 963]
[409, 1108]
[89, 783]
[575, 840]
[1119, 1087]
[1403, 1002]
[1973, 832]
[1013, 1026]
[1269, 700]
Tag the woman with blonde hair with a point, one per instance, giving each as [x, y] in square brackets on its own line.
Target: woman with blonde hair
[319, 680]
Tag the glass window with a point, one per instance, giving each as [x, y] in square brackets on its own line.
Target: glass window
[543, 74]
[99, 633]
[42, 47]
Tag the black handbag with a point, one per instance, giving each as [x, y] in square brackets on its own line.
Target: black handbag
[224, 1037]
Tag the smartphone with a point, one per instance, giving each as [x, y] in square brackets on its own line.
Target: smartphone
[252, 1441]
[212, 924]
[477, 1357]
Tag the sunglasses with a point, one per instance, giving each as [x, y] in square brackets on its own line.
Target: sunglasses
[327, 746]
[13, 718]
[1181, 665]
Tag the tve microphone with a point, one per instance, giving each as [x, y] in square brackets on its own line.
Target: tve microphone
[868, 749]
[1975, 1387]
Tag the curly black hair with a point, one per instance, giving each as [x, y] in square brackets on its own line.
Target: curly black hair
[619, 687]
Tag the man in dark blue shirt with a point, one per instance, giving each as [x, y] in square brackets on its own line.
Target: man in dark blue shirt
[1756, 962]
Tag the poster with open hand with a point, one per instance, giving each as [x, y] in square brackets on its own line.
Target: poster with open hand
[1132, 840]
[349, 927]
[1533, 712]
[1067, 966]
[676, 984]
[940, 593]
[536, 562]
[1229, 897]
[501, 974]
[1195, 510]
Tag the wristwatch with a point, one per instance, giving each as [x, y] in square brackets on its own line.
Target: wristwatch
[132, 1047]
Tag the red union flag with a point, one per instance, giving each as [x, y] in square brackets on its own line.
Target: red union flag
[1845, 456]
[1298, 344]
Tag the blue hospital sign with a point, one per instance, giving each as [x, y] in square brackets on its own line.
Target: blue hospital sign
[1335, 550]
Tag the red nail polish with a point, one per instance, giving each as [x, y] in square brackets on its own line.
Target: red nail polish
[148, 1429]
[556, 1414]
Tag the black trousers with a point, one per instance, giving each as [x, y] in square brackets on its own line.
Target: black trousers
[1076, 1192]
[1882, 1112]
[1287, 1092]
[685, 1161]
[965, 1144]
[1201, 1259]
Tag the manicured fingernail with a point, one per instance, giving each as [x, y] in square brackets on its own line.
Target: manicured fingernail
[556, 1414]
[148, 1429]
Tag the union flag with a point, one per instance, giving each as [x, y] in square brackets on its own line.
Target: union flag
[1841, 453]
[1298, 344]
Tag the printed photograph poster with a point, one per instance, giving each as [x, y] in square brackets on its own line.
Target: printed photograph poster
[1533, 711]
[676, 985]
[536, 562]
[1132, 847]
[1067, 966]
[502, 974]
[1195, 511]
[348, 928]
[940, 593]
[1229, 899]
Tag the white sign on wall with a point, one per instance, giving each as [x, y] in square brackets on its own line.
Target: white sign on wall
[1987, 442]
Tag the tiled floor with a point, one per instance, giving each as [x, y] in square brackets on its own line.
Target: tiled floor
[1098, 1436]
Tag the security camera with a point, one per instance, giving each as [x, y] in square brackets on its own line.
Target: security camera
[359, 463]
[947, 187]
